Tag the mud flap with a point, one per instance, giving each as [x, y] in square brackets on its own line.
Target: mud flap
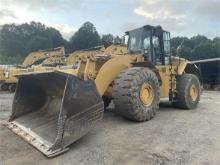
[52, 110]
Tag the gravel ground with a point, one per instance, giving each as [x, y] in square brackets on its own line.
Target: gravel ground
[172, 137]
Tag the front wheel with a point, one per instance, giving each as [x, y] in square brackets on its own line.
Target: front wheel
[136, 94]
[188, 91]
[4, 87]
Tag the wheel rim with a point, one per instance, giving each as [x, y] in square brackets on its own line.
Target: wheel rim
[194, 92]
[146, 94]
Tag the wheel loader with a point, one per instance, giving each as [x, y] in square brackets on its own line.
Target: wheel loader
[54, 108]
[38, 57]
[112, 50]
[1, 77]
[47, 57]
[50, 58]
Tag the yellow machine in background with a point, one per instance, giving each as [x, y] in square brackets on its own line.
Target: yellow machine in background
[9, 82]
[54, 61]
[38, 57]
[1, 74]
[114, 49]
[52, 58]
[48, 57]
[55, 107]
[1, 77]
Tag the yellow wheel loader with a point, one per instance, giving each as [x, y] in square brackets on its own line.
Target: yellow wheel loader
[2, 85]
[47, 57]
[54, 108]
[112, 50]
[116, 49]
[9, 80]
[38, 57]
[50, 58]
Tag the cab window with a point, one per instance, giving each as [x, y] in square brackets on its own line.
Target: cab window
[146, 43]
[166, 41]
[155, 41]
[133, 43]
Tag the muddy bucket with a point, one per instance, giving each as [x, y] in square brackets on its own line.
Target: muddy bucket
[52, 110]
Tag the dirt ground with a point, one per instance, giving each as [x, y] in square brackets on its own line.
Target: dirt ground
[172, 137]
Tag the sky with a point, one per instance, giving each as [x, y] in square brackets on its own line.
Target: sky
[180, 17]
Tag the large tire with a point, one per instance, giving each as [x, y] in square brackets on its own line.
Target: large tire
[185, 84]
[4, 87]
[12, 88]
[126, 93]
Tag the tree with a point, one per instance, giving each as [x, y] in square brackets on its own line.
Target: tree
[11, 41]
[39, 43]
[186, 53]
[117, 40]
[199, 39]
[216, 45]
[55, 37]
[107, 40]
[176, 41]
[216, 40]
[197, 48]
[19, 40]
[204, 51]
[86, 37]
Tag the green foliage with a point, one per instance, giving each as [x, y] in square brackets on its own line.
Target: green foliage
[117, 40]
[197, 48]
[86, 37]
[39, 43]
[107, 40]
[17, 41]
[4, 60]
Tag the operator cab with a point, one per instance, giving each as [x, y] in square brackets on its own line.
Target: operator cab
[151, 41]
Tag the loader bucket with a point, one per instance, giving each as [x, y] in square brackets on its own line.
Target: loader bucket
[52, 110]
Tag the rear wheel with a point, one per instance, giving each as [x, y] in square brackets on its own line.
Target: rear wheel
[12, 88]
[188, 91]
[136, 93]
[4, 87]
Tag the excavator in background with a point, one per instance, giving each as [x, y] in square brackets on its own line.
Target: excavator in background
[55, 107]
[7, 79]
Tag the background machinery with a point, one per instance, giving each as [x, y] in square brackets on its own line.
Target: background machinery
[48, 57]
[38, 57]
[1, 76]
[54, 108]
[112, 50]
[43, 59]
